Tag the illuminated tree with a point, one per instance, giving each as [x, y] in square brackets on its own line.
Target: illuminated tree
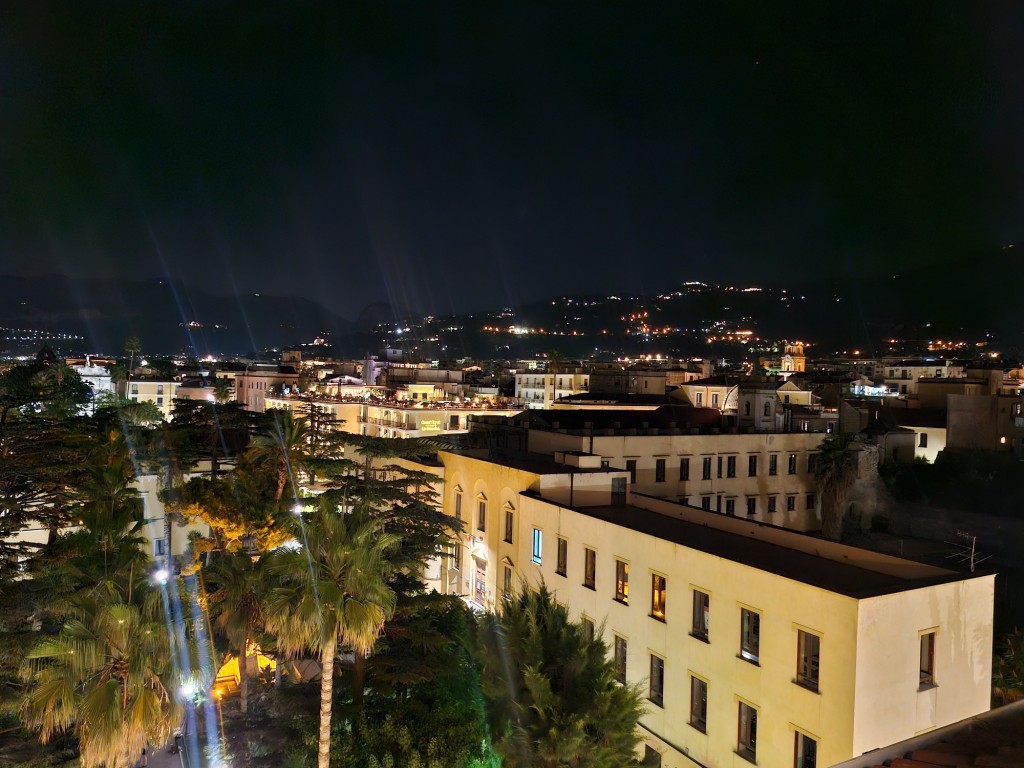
[835, 472]
[108, 676]
[333, 592]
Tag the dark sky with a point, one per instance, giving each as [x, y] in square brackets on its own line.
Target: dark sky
[443, 156]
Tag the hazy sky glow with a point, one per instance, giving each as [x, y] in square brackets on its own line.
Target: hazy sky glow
[443, 158]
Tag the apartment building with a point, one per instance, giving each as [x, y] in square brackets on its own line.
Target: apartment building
[160, 392]
[257, 381]
[541, 390]
[753, 645]
[902, 376]
[767, 477]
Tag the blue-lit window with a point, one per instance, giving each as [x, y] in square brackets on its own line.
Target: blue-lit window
[538, 545]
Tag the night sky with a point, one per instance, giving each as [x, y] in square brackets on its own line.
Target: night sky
[449, 157]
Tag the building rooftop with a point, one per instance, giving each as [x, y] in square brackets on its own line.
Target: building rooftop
[834, 567]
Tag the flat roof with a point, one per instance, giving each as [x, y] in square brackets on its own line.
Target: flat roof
[816, 570]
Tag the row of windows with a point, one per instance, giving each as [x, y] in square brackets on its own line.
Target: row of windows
[726, 466]
[805, 747]
[810, 502]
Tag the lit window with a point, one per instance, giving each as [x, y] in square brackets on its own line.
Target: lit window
[746, 744]
[538, 545]
[620, 659]
[622, 581]
[563, 556]
[792, 464]
[658, 595]
[698, 704]
[927, 678]
[750, 637]
[657, 681]
[808, 651]
[701, 614]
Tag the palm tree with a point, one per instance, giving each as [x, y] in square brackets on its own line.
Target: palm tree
[221, 390]
[108, 675]
[132, 346]
[237, 609]
[284, 445]
[835, 472]
[333, 592]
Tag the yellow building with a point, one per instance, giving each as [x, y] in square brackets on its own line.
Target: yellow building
[753, 644]
[160, 392]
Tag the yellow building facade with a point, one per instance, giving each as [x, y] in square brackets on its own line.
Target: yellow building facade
[753, 644]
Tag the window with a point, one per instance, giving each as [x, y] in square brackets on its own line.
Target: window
[719, 466]
[509, 524]
[538, 545]
[773, 464]
[805, 753]
[791, 503]
[746, 744]
[588, 628]
[767, 409]
[746, 407]
[700, 399]
[752, 466]
[771, 504]
[698, 704]
[481, 523]
[751, 505]
[657, 685]
[714, 399]
[730, 507]
[701, 614]
[622, 581]
[160, 547]
[159, 389]
[659, 470]
[812, 463]
[750, 637]
[631, 468]
[684, 468]
[659, 591]
[159, 401]
[792, 463]
[927, 659]
[620, 659]
[135, 389]
[705, 502]
[811, 501]
[730, 466]
[506, 586]
[922, 441]
[706, 468]
[563, 556]
[808, 650]
[589, 567]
